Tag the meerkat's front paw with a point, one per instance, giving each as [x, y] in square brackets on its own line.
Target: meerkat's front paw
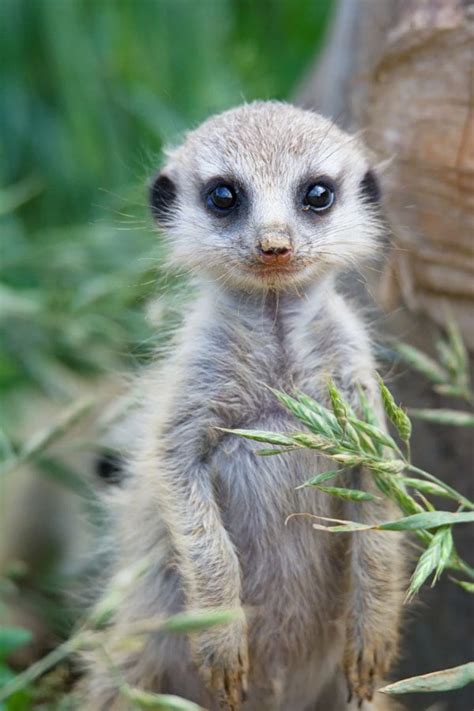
[365, 665]
[221, 654]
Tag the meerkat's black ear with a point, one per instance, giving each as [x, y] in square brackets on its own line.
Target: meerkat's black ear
[162, 197]
[370, 188]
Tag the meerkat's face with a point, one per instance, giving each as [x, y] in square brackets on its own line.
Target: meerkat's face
[267, 196]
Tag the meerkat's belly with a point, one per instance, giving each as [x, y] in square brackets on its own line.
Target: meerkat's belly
[294, 599]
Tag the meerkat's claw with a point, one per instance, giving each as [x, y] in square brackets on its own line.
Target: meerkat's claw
[225, 670]
[365, 668]
[228, 687]
[362, 671]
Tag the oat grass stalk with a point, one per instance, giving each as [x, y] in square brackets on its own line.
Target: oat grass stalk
[355, 439]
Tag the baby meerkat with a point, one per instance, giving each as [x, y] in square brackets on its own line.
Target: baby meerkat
[265, 204]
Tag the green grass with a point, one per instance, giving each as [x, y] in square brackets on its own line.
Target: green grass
[90, 91]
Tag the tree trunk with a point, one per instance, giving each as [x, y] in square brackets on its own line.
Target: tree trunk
[402, 71]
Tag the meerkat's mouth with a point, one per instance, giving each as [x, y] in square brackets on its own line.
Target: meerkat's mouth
[293, 273]
[271, 270]
[275, 267]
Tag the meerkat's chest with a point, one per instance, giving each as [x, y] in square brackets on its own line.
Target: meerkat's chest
[283, 358]
[258, 493]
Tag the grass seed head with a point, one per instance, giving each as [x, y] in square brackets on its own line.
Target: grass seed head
[395, 413]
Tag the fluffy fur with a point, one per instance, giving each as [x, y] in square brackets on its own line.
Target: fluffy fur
[321, 612]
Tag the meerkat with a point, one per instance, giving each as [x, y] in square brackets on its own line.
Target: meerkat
[265, 205]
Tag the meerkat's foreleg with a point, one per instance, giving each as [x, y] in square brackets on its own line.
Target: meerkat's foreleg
[209, 569]
[375, 600]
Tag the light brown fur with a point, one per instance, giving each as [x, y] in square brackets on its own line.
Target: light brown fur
[320, 612]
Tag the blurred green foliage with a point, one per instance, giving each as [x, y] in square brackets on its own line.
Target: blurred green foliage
[90, 90]
[11, 638]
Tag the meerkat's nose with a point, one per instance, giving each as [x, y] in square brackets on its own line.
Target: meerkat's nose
[274, 248]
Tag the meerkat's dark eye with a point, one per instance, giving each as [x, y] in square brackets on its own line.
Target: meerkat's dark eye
[222, 199]
[319, 196]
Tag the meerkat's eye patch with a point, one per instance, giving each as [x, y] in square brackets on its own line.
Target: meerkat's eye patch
[319, 196]
[162, 198]
[370, 188]
[221, 197]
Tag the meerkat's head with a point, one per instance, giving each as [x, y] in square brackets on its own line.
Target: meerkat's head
[267, 196]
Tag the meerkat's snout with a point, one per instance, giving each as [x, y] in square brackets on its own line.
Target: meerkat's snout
[274, 247]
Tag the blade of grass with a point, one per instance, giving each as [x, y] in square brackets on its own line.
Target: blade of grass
[444, 417]
[348, 494]
[428, 488]
[421, 362]
[426, 520]
[320, 478]
[163, 702]
[262, 436]
[445, 680]
[45, 438]
[456, 495]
